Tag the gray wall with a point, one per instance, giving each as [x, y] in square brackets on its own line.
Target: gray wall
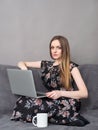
[26, 27]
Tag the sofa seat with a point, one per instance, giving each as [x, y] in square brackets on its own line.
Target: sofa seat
[89, 107]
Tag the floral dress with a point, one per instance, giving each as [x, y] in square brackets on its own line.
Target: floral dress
[64, 111]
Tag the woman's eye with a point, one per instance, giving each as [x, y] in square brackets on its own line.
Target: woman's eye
[59, 47]
[51, 47]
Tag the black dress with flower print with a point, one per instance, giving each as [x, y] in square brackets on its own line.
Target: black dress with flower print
[63, 111]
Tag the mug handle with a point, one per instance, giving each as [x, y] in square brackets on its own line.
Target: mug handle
[33, 120]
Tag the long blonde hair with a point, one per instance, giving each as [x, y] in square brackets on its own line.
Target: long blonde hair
[65, 61]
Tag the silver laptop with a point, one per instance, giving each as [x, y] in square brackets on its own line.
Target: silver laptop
[26, 83]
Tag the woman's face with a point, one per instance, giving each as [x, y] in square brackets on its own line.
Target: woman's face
[56, 50]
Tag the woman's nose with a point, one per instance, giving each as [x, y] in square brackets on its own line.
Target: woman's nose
[55, 50]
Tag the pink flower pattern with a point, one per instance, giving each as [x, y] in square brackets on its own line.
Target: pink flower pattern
[60, 111]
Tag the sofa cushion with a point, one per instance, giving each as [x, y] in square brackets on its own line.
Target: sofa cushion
[88, 72]
[7, 99]
[90, 76]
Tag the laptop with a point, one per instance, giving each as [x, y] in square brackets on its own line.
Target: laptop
[26, 83]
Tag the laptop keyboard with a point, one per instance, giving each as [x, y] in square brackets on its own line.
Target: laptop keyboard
[40, 94]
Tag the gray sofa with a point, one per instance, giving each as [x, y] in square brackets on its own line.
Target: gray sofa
[89, 106]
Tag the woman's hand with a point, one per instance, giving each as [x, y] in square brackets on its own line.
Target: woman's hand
[22, 65]
[54, 94]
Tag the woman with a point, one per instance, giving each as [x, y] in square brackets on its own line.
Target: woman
[62, 102]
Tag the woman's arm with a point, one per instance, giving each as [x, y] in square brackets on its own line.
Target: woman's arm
[80, 93]
[23, 65]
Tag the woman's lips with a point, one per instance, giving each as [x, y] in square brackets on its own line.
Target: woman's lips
[55, 55]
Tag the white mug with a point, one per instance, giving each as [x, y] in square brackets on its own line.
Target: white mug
[40, 120]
